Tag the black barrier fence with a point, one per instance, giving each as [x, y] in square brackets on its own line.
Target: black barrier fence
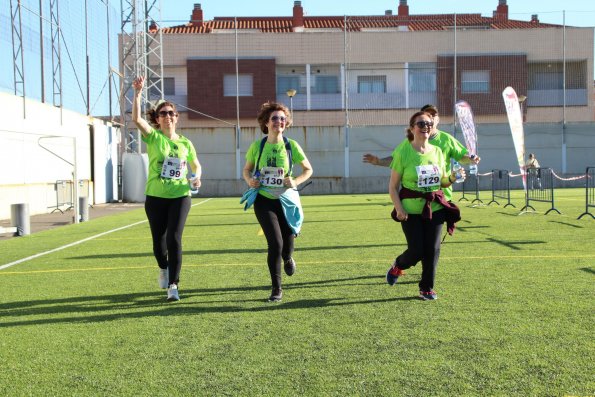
[65, 194]
[470, 187]
[501, 187]
[589, 192]
[540, 188]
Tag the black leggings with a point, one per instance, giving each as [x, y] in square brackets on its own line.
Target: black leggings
[167, 218]
[423, 244]
[277, 232]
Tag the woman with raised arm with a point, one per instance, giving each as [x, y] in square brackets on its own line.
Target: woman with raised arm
[168, 187]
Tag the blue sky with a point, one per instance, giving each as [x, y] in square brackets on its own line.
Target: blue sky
[578, 12]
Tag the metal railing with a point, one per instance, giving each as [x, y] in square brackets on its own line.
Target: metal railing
[589, 192]
[501, 187]
[540, 188]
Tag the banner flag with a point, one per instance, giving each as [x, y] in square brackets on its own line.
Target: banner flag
[515, 119]
[465, 117]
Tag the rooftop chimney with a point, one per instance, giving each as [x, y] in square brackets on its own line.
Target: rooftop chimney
[298, 16]
[534, 18]
[501, 12]
[388, 13]
[196, 19]
[403, 8]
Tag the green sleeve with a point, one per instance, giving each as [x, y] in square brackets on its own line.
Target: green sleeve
[458, 150]
[297, 153]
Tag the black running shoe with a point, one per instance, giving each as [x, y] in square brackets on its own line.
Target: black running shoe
[276, 295]
[428, 295]
[289, 266]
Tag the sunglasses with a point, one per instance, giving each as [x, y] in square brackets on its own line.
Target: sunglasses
[423, 124]
[279, 118]
[169, 113]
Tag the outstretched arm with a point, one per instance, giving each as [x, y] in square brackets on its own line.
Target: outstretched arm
[466, 160]
[375, 160]
[144, 127]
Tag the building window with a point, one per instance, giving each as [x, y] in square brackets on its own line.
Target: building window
[371, 84]
[169, 87]
[475, 81]
[422, 78]
[546, 81]
[244, 83]
[285, 83]
[325, 85]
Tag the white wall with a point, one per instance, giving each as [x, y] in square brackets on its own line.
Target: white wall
[37, 148]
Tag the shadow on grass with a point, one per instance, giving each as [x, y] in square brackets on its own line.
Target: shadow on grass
[358, 204]
[508, 213]
[514, 245]
[232, 251]
[471, 228]
[568, 224]
[88, 309]
[588, 270]
[247, 223]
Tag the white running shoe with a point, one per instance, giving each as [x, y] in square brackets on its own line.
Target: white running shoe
[163, 278]
[172, 293]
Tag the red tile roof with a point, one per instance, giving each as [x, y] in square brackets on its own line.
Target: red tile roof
[358, 23]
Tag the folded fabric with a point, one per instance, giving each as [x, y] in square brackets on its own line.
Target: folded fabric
[248, 197]
[292, 209]
[453, 214]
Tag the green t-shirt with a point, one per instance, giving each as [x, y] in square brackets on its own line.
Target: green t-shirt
[174, 182]
[451, 148]
[274, 155]
[407, 162]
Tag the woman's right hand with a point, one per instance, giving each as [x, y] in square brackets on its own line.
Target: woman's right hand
[254, 182]
[138, 83]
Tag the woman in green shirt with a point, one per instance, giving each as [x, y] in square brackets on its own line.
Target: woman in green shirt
[168, 187]
[268, 166]
[418, 173]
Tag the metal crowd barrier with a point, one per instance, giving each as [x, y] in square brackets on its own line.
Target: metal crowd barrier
[589, 192]
[470, 186]
[540, 188]
[501, 187]
[65, 194]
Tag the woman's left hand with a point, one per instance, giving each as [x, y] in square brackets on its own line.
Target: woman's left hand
[196, 183]
[289, 182]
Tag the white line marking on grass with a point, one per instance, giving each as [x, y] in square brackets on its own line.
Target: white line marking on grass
[79, 242]
[202, 202]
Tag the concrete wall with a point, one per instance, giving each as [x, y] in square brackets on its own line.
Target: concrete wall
[37, 148]
[325, 148]
[30, 171]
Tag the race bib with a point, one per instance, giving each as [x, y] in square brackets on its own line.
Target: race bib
[173, 168]
[272, 176]
[428, 176]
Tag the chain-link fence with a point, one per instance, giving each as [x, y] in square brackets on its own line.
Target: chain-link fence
[62, 52]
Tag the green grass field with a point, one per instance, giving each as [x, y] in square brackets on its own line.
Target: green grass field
[514, 315]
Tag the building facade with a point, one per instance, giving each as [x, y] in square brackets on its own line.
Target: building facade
[357, 79]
